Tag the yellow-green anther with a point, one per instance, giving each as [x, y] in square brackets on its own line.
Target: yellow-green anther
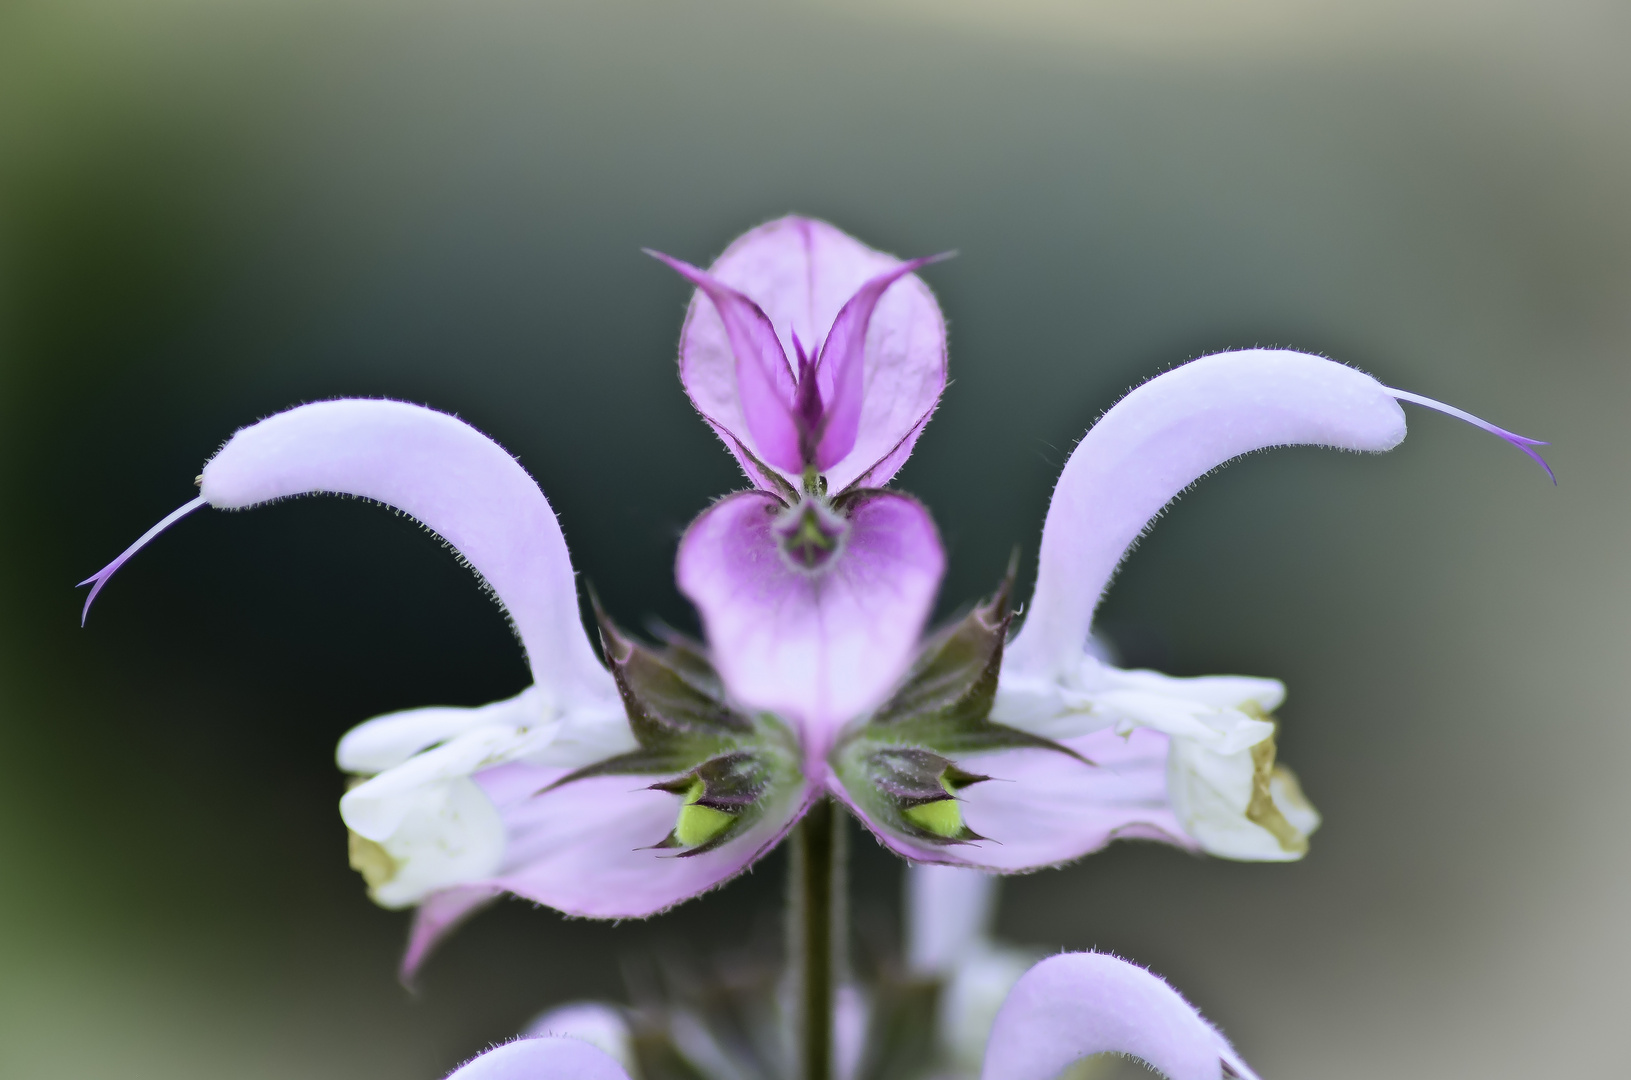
[942, 817]
[699, 824]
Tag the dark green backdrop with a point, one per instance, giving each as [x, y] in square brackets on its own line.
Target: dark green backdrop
[212, 211]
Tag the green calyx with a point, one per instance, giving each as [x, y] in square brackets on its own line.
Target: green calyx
[725, 765]
[899, 763]
[718, 800]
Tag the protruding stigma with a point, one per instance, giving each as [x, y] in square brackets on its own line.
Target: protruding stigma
[1522, 442]
[100, 578]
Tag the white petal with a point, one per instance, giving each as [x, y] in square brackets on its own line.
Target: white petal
[450, 834]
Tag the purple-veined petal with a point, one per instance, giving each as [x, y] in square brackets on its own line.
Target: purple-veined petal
[764, 387]
[843, 357]
[437, 917]
[603, 1026]
[541, 1059]
[448, 476]
[801, 272]
[822, 646]
[585, 848]
[1042, 808]
[1075, 1005]
[1159, 439]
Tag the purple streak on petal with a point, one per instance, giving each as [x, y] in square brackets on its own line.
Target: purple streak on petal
[1159, 439]
[817, 646]
[765, 388]
[547, 1058]
[801, 272]
[444, 473]
[1521, 442]
[585, 848]
[436, 917]
[1042, 808]
[100, 578]
[1074, 1005]
[843, 360]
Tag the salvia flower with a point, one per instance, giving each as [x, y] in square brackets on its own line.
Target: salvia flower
[619, 789]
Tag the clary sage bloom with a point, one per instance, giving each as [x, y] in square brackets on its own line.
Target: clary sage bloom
[618, 789]
[1000, 1013]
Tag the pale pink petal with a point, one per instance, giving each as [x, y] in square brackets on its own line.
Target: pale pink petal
[1161, 438]
[821, 646]
[764, 384]
[442, 472]
[586, 847]
[1042, 808]
[843, 365]
[802, 272]
[1074, 1005]
[436, 917]
[542, 1059]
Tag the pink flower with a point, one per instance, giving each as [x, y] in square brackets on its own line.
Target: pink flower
[618, 793]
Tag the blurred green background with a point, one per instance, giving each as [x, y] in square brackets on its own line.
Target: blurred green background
[212, 210]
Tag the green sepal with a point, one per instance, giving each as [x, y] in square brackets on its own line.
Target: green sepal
[675, 703]
[909, 790]
[944, 702]
[722, 797]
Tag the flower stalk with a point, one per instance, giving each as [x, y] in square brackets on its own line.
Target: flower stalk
[816, 918]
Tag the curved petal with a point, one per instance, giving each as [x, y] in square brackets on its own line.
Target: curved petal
[818, 646]
[587, 848]
[802, 272]
[763, 382]
[1161, 438]
[1074, 1005]
[843, 365]
[450, 477]
[602, 1026]
[542, 1059]
[1042, 808]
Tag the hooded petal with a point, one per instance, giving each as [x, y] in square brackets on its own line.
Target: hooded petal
[542, 1059]
[1041, 808]
[588, 847]
[1161, 438]
[801, 273]
[1075, 1005]
[819, 646]
[451, 478]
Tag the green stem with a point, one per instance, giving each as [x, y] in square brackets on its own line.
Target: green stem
[816, 918]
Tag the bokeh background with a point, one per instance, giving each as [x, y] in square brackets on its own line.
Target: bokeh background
[212, 210]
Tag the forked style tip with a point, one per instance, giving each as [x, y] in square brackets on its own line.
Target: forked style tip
[1522, 442]
[102, 576]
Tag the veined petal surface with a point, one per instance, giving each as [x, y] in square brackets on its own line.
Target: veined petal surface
[451, 478]
[1074, 1005]
[817, 646]
[542, 1059]
[801, 272]
[1159, 439]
